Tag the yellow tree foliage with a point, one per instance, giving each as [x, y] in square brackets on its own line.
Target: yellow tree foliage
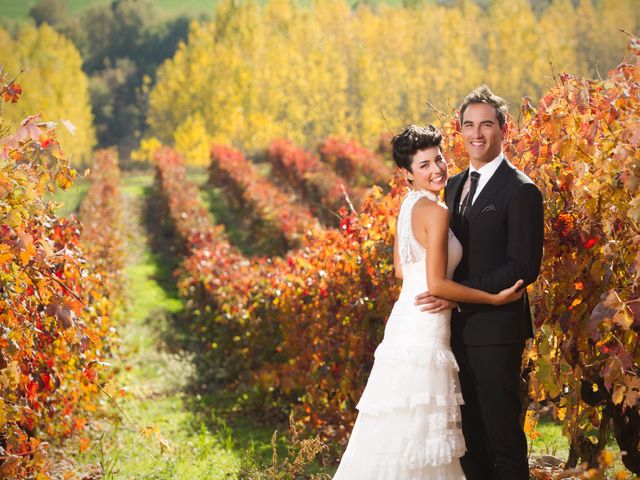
[558, 43]
[305, 72]
[514, 66]
[193, 141]
[147, 150]
[54, 84]
[587, 37]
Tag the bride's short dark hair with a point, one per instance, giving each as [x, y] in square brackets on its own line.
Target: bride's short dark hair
[411, 139]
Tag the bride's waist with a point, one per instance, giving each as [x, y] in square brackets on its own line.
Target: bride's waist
[413, 283]
[408, 325]
[405, 306]
[408, 295]
[414, 280]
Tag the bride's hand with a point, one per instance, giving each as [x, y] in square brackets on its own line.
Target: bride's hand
[510, 294]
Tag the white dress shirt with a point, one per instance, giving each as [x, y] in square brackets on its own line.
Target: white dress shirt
[486, 172]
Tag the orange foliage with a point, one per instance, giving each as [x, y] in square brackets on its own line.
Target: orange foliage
[55, 312]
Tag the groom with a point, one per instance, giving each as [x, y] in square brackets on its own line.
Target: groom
[497, 214]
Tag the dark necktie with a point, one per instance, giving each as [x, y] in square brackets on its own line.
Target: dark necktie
[473, 186]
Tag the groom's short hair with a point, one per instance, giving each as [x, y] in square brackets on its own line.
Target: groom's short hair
[484, 94]
[411, 139]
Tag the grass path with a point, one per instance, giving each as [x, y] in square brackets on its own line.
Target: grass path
[173, 433]
[178, 444]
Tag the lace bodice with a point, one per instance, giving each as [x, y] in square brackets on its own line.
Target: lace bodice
[409, 249]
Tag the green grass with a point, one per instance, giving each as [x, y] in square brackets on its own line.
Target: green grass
[553, 442]
[184, 435]
[155, 376]
[136, 184]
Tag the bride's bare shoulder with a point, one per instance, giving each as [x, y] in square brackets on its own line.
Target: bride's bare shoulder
[428, 205]
[427, 211]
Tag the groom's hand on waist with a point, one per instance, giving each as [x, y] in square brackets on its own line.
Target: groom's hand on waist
[431, 304]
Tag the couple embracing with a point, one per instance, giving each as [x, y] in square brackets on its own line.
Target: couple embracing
[442, 400]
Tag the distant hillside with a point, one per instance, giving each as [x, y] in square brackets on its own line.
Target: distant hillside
[20, 8]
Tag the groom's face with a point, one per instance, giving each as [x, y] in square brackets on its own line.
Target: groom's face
[481, 133]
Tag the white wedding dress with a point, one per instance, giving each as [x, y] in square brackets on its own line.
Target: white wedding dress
[408, 424]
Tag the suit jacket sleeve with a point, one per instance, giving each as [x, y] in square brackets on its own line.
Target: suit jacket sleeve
[525, 217]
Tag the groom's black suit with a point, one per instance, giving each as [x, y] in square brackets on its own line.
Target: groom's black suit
[502, 236]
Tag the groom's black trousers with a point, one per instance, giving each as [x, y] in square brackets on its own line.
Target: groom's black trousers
[490, 379]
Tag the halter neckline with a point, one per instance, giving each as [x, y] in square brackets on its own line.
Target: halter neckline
[424, 193]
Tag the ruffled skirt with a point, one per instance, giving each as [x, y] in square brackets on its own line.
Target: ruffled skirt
[408, 424]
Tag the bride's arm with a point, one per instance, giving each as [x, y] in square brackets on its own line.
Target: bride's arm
[396, 255]
[436, 225]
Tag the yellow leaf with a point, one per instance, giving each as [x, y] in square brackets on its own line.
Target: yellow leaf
[148, 431]
[623, 319]
[14, 218]
[618, 394]
[5, 254]
[27, 250]
[530, 422]
[47, 247]
[606, 458]
[3, 415]
[63, 180]
[165, 445]
[111, 388]
[10, 376]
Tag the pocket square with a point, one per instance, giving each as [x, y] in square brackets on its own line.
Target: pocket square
[488, 208]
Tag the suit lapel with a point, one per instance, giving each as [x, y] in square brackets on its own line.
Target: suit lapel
[493, 186]
[452, 195]
[453, 190]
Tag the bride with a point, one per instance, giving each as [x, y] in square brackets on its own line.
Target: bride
[408, 424]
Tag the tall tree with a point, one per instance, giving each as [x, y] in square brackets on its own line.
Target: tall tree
[53, 12]
[511, 38]
[53, 82]
[558, 45]
[306, 72]
[122, 44]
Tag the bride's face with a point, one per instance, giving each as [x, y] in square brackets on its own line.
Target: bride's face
[429, 170]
